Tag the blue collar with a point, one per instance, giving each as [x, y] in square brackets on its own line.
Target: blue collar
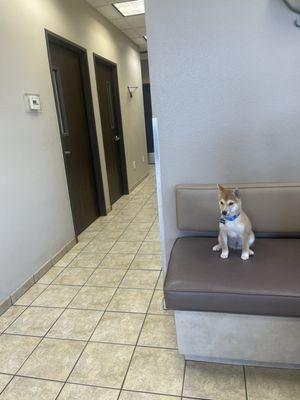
[224, 218]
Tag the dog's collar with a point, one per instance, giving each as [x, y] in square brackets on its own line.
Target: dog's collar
[231, 218]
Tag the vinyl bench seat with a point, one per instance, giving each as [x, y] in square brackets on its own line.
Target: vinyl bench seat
[267, 284]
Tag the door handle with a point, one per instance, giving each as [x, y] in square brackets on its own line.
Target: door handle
[67, 152]
[117, 138]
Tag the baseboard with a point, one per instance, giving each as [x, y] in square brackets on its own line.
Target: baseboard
[22, 289]
[131, 189]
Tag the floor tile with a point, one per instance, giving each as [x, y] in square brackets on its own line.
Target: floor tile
[31, 295]
[51, 275]
[159, 331]
[122, 328]
[270, 384]
[35, 321]
[131, 300]
[99, 247]
[66, 259]
[125, 247]
[86, 236]
[113, 226]
[52, 359]
[214, 381]
[132, 236]
[80, 392]
[4, 379]
[93, 298]
[78, 247]
[74, 276]
[117, 261]
[156, 370]
[140, 279]
[147, 261]
[14, 350]
[152, 237]
[139, 226]
[106, 277]
[9, 316]
[75, 324]
[109, 235]
[126, 395]
[157, 304]
[102, 364]
[31, 389]
[87, 260]
[160, 283]
[150, 248]
[56, 296]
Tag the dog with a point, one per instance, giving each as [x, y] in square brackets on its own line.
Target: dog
[235, 226]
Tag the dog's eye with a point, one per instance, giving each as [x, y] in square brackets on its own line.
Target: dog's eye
[230, 203]
[222, 203]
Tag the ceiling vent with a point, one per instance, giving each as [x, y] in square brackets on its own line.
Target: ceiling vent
[294, 5]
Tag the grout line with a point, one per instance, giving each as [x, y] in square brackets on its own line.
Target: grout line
[183, 379]
[108, 304]
[100, 229]
[245, 382]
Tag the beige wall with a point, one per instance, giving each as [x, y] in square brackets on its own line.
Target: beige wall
[34, 205]
[225, 82]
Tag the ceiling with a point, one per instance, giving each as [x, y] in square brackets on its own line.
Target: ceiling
[134, 26]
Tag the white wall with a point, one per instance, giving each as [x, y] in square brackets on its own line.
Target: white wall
[225, 82]
[35, 216]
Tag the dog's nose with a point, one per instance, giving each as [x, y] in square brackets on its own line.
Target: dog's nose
[224, 212]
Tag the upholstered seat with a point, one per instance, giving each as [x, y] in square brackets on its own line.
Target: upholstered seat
[268, 284]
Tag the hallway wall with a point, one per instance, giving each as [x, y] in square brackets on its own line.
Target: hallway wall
[224, 78]
[35, 212]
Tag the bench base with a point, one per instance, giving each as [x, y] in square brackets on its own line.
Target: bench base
[239, 338]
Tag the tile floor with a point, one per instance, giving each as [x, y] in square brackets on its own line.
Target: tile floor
[94, 328]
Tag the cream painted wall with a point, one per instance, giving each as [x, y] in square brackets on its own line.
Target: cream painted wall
[34, 205]
[225, 82]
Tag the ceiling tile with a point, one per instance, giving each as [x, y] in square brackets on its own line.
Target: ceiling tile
[109, 12]
[98, 3]
[139, 41]
[141, 31]
[121, 23]
[131, 33]
[136, 21]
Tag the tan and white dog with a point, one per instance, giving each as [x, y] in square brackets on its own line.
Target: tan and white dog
[235, 226]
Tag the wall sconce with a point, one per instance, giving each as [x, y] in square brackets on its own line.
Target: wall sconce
[131, 90]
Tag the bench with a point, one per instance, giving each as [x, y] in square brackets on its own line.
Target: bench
[235, 311]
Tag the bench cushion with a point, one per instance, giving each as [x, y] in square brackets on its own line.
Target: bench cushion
[267, 284]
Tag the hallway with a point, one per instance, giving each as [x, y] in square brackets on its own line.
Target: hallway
[94, 328]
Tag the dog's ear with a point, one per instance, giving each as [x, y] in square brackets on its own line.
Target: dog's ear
[237, 193]
[221, 188]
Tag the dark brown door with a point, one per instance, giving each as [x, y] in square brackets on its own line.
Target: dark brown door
[110, 128]
[66, 67]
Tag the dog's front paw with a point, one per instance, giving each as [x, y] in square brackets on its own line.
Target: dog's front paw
[251, 252]
[245, 256]
[224, 254]
[217, 247]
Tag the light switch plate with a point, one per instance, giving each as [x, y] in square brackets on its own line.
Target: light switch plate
[32, 102]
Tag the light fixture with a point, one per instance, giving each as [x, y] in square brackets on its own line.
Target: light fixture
[132, 89]
[129, 8]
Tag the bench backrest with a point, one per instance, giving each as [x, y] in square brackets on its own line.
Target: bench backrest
[274, 208]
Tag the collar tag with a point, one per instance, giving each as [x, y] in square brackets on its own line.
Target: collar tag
[232, 218]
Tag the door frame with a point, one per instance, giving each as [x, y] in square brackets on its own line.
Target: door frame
[82, 52]
[101, 60]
